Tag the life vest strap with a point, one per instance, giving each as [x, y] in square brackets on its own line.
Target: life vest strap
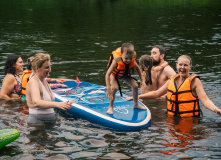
[110, 61]
[183, 112]
[179, 102]
[176, 93]
[118, 83]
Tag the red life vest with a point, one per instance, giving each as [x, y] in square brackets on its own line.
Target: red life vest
[122, 69]
[181, 101]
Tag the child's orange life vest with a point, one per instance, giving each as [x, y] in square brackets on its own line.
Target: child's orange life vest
[122, 69]
[24, 80]
[180, 101]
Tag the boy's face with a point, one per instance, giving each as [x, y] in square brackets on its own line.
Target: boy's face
[127, 58]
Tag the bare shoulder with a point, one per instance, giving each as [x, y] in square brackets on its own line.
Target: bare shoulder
[169, 71]
[196, 82]
[32, 82]
[9, 78]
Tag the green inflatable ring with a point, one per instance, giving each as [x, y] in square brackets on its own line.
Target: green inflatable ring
[7, 136]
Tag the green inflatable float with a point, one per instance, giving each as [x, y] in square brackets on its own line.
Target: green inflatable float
[7, 136]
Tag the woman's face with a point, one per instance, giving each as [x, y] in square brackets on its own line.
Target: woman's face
[183, 66]
[19, 65]
[45, 69]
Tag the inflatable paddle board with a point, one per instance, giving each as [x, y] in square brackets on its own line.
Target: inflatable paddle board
[7, 136]
[91, 104]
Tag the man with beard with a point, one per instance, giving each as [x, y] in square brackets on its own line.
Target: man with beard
[158, 53]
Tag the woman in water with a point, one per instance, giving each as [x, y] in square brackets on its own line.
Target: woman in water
[11, 84]
[40, 98]
[184, 91]
[28, 73]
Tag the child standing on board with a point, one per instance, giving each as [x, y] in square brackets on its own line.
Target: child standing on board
[150, 73]
[120, 64]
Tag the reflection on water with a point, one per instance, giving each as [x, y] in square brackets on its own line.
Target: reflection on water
[80, 35]
[182, 134]
[72, 137]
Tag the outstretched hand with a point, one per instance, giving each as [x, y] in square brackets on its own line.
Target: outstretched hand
[129, 98]
[65, 105]
[59, 80]
[217, 111]
[63, 86]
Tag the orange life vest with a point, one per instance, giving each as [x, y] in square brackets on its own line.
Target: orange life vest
[180, 101]
[24, 80]
[122, 69]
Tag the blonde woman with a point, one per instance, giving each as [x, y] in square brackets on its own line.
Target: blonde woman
[40, 98]
[184, 91]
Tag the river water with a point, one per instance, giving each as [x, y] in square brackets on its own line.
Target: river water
[80, 35]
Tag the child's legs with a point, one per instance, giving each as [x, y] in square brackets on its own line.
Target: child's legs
[114, 88]
[133, 84]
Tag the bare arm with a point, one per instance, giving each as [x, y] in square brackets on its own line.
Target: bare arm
[198, 87]
[138, 71]
[8, 87]
[154, 94]
[158, 68]
[34, 98]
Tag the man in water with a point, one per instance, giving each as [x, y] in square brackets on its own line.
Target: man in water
[158, 53]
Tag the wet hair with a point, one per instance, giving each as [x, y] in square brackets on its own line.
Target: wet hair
[162, 50]
[9, 64]
[39, 60]
[187, 57]
[146, 61]
[128, 47]
[29, 60]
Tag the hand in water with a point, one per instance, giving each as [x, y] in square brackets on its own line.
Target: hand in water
[218, 111]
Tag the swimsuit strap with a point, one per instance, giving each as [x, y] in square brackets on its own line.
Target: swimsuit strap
[17, 80]
[17, 87]
[46, 95]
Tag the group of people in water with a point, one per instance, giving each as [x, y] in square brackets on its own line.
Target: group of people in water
[157, 79]
[183, 91]
[37, 91]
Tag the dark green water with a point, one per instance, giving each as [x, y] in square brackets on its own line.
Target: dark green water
[80, 35]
